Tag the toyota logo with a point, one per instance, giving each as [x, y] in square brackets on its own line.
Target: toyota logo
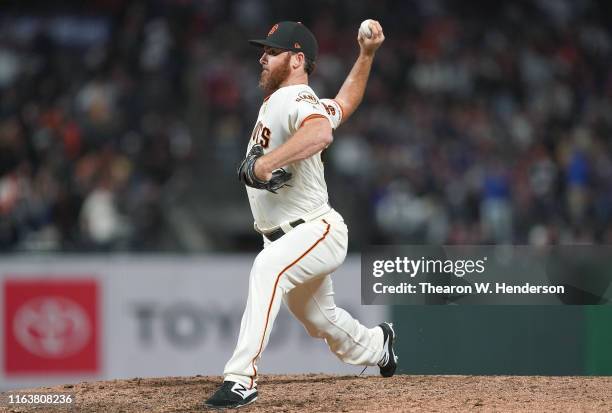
[52, 327]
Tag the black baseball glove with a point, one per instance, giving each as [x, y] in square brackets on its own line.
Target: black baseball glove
[246, 173]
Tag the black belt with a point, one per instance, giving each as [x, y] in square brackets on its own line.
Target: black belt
[277, 233]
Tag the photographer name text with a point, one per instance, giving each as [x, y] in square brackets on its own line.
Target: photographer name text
[476, 288]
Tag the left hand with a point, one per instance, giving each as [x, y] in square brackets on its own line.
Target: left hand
[369, 46]
[246, 173]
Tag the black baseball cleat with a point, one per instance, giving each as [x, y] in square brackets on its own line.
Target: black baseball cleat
[231, 395]
[388, 363]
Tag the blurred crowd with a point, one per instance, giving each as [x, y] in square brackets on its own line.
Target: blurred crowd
[121, 124]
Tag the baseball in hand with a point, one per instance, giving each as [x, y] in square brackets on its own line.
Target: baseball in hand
[364, 29]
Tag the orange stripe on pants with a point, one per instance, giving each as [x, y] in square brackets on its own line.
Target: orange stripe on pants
[274, 294]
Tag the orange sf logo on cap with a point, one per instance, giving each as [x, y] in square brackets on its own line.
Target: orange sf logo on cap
[272, 30]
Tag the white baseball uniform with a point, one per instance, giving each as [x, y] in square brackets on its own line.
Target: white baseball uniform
[296, 268]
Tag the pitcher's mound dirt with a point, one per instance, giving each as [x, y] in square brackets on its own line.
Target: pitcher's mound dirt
[324, 393]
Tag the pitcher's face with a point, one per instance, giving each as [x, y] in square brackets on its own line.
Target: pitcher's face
[275, 69]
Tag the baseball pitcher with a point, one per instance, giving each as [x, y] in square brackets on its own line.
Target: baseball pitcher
[305, 240]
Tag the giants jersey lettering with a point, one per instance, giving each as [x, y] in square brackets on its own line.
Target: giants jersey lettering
[280, 116]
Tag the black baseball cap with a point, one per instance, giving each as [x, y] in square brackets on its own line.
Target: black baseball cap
[292, 36]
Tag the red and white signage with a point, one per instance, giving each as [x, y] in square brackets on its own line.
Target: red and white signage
[51, 326]
[66, 319]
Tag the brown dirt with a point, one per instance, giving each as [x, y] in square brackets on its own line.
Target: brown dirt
[324, 393]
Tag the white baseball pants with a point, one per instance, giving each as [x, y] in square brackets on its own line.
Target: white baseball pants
[297, 269]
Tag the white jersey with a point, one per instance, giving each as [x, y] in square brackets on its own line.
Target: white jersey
[280, 116]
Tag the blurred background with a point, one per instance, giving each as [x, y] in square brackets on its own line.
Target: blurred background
[122, 123]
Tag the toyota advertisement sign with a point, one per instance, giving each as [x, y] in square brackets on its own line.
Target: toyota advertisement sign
[50, 326]
[92, 318]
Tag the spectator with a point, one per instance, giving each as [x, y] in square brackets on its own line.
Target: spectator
[481, 123]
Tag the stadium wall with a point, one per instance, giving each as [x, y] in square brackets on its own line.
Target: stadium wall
[146, 316]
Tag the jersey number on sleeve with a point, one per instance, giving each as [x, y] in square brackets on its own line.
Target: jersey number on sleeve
[330, 109]
[261, 135]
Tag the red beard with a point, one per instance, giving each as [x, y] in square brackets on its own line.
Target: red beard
[269, 81]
